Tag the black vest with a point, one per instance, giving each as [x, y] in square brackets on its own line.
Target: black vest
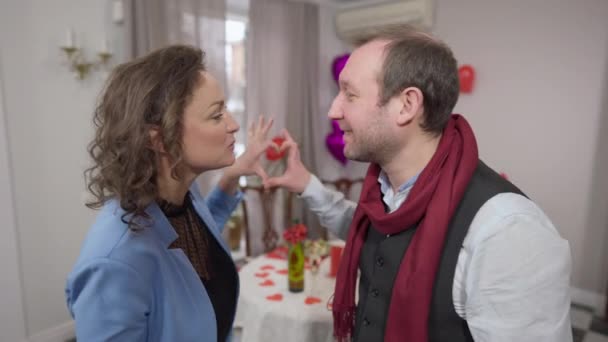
[381, 257]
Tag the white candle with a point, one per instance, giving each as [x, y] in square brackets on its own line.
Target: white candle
[117, 11]
[70, 38]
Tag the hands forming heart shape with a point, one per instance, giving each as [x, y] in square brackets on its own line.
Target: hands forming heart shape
[257, 143]
[296, 176]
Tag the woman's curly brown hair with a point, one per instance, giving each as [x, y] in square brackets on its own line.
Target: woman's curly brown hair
[148, 92]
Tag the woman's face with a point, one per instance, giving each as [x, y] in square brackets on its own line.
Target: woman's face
[208, 133]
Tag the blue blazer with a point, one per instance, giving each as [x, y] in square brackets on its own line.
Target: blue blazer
[129, 286]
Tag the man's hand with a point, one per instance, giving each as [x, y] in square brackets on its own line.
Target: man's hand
[296, 176]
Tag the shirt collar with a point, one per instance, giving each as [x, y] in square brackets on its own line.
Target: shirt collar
[385, 184]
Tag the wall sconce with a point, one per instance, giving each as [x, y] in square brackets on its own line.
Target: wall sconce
[77, 61]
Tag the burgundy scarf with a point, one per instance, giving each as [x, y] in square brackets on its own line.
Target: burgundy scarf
[432, 202]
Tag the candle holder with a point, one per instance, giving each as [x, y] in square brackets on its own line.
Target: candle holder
[80, 65]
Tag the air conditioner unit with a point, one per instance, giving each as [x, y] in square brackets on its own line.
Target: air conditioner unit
[354, 21]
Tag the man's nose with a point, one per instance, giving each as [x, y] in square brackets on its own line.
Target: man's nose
[335, 111]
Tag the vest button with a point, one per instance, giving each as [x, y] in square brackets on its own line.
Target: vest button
[366, 322]
[375, 293]
[380, 261]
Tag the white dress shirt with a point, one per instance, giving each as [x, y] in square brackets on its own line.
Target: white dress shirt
[512, 279]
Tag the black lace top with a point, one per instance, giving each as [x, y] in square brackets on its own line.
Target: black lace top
[210, 261]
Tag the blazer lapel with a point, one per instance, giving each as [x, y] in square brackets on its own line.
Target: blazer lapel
[205, 214]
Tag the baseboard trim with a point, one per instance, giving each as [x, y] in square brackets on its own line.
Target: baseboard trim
[60, 333]
[594, 300]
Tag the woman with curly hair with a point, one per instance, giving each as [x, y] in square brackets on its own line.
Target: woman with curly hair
[154, 266]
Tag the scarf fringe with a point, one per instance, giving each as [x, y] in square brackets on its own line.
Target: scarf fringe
[344, 323]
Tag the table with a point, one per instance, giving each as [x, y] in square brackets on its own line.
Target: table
[268, 312]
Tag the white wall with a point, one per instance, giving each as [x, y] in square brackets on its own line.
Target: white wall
[536, 110]
[12, 324]
[48, 116]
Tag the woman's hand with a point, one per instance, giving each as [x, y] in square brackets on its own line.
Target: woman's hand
[257, 143]
[249, 162]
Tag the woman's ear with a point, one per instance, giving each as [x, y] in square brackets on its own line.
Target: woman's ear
[412, 102]
[156, 140]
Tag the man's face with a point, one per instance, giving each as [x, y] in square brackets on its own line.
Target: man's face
[366, 125]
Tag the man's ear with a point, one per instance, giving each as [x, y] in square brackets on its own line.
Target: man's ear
[156, 140]
[412, 103]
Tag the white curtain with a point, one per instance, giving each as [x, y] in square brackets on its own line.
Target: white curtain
[282, 81]
[157, 23]
[153, 24]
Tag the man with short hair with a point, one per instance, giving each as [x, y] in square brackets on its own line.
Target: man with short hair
[447, 249]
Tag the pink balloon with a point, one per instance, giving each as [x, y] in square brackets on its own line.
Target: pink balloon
[337, 66]
[335, 143]
[335, 127]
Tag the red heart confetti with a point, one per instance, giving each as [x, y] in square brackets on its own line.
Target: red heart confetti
[283, 271]
[267, 267]
[279, 253]
[262, 275]
[267, 282]
[275, 297]
[312, 300]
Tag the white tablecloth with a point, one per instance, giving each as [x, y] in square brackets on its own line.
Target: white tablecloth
[289, 319]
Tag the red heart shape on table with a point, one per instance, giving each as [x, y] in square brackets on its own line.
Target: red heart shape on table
[278, 253]
[312, 300]
[267, 267]
[274, 255]
[267, 282]
[272, 153]
[275, 297]
[262, 275]
[283, 271]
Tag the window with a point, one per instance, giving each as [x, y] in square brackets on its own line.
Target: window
[236, 28]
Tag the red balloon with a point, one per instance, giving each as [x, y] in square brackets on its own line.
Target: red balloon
[271, 153]
[466, 74]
